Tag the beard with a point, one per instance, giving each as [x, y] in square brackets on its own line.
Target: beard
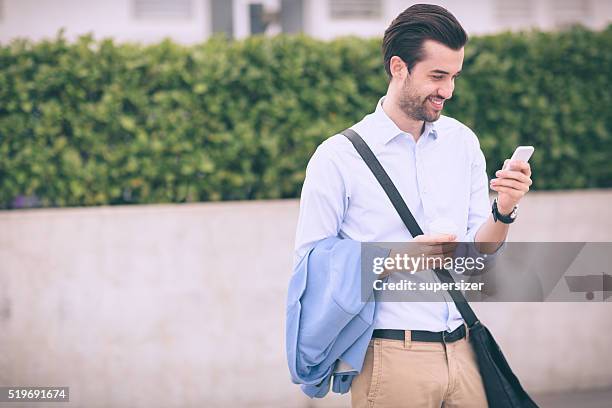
[414, 106]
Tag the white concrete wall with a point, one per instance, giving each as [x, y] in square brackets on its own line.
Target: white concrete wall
[476, 16]
[40, 19]
[184, 305]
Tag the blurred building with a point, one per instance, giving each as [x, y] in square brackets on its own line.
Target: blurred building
[190, 21]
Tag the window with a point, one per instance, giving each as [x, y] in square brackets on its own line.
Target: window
[355, 9]
[163, 9]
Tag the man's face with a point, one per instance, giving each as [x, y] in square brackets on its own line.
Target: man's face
[431, 82]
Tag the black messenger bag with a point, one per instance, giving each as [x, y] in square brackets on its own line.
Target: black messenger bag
[502, 387]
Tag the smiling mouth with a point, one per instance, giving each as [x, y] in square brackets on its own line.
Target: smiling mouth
[437, 103]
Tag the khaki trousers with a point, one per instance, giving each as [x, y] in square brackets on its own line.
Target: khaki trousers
[399, 374]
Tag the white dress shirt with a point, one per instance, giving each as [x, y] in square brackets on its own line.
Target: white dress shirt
[441, 176]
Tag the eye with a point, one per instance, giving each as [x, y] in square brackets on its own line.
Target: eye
[437, 76]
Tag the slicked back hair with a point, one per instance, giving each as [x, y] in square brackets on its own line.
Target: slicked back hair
[418, 23]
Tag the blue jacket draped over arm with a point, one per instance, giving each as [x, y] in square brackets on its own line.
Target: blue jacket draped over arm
[327, 320]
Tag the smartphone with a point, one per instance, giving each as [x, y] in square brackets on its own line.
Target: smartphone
[522, 153]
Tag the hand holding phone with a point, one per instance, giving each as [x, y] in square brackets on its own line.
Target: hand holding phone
[522, 153]
[512, 184]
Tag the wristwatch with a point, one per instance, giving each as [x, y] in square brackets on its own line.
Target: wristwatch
[506, 219]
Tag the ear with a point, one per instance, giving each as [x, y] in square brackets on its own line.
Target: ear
[398, 69]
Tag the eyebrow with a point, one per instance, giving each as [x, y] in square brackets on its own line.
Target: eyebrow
[439, 71]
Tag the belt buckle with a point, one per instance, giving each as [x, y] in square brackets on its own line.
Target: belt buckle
[444, 336]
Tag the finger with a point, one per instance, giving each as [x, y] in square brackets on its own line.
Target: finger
[435, 238]
[515, 175]
[513, 193]
[444, 237]
[421, 249]
[443, 248]
[450, 247]
[521, 166]
[436, 250]
[447, 249]
[508, 190]
[510, 183]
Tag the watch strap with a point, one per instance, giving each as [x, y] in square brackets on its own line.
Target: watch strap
[506, 219]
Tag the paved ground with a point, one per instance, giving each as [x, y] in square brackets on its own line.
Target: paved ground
[581, 399]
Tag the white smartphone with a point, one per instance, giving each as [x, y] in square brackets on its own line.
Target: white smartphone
[522, 153]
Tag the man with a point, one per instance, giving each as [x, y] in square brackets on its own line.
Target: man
[439, 169]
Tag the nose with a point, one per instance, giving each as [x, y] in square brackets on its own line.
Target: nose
[446, 91]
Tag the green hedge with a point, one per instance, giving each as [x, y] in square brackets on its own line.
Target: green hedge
[94, 122]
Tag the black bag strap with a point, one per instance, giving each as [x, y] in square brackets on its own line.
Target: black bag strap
[404, 212]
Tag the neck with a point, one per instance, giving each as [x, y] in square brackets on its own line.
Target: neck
[403, 122]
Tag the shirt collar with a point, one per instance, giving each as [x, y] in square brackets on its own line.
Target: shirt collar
[387, 130]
